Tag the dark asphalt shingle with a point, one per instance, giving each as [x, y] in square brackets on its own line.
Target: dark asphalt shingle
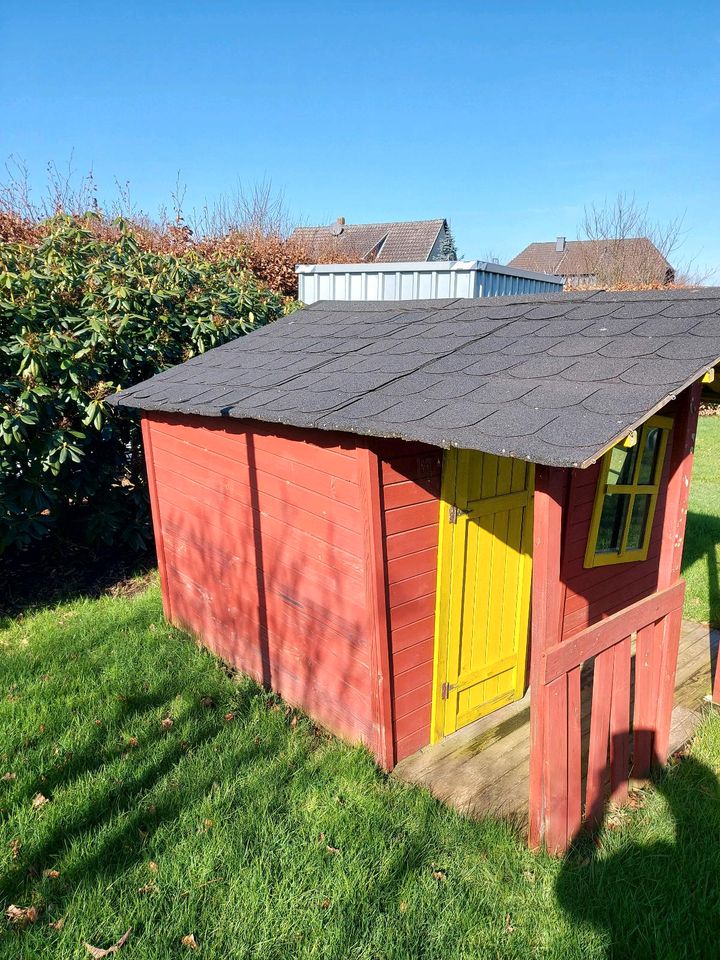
[554, 378]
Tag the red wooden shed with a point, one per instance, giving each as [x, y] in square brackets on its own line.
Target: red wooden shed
[397, 515]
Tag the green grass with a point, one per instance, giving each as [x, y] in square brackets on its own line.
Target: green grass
[265, 838]
[701, 559]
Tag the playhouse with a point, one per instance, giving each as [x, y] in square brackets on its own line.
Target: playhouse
[399, 514]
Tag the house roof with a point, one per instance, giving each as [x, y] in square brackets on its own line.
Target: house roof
[382, 242]
[552, 378]
[634, 256]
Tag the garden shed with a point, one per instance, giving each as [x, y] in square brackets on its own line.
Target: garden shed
[399, 514]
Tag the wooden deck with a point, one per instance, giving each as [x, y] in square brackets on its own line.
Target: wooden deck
[483, 768]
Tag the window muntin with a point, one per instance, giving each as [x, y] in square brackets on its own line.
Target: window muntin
[626, 497]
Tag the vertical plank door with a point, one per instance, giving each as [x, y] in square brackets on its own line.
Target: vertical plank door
[483, 597]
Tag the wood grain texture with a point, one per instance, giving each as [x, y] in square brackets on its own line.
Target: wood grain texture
[377, 600]
[410, 489]
[270, 538]
[548, 766]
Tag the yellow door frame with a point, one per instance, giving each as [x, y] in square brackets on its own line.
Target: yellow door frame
[450, 593]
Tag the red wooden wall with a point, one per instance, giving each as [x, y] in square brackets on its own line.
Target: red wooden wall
[266, 552]
[410, 475]
[590, 595]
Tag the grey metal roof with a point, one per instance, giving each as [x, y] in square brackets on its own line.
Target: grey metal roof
[552, 378]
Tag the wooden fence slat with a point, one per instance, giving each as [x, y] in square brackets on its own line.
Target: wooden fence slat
[648, 652]
[666, 691]
[574, 753]
[555, 766]
[620, 722]
[599, 738]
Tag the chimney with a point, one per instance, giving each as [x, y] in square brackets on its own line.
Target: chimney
[338, 226]
[341, 221]
[560, 245]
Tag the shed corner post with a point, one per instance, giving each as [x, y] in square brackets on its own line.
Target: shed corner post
[376, 600]
[671, 550]
[145, 425]
[553, 705]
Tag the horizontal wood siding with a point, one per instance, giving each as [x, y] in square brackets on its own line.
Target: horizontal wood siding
[591, 595]
[263, 552]
[410, 496]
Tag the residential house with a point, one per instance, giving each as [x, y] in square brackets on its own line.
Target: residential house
[632, 261]
[399, 242]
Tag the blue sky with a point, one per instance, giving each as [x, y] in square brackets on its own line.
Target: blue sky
[505, 118]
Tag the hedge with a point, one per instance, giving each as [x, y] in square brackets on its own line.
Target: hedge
[82, 316]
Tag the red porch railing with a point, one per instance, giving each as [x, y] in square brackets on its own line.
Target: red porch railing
[557, 804]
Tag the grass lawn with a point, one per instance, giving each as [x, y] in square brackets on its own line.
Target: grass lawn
[180, 801]
[701, 559]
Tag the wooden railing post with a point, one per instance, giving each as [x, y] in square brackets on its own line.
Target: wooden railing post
[554, 706]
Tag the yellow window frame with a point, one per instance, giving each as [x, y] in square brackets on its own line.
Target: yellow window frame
[632, 489]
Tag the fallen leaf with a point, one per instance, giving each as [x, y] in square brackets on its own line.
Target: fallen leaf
[229, 717]
[207, 702]
[57, 924]
[7, 777]
[153, 867]
[41, 728]
[15, 846]
[98, 723]
[332, 849]
[325, 903]
[438, 873]
[293, 722]
[189, 941]
[403, 906]
[21, 916]
[39, 801]
[97, 953]
[147, 888]
[208, 824]
[51, 874]
[166, 723]
[508, 925]
[133, 742]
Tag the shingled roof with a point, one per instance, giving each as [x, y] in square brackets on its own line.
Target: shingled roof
[628, 258]
[552, 378]
[410, 240]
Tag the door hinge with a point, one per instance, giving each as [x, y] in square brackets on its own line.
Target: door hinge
[445, 689]
[456, 512]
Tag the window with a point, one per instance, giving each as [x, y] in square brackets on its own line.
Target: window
[626, 497]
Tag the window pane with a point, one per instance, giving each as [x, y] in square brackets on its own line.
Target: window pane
[649, 456]
[638, 521]
[612, 522]
[622, 464]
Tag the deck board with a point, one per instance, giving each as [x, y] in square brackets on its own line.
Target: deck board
[483, 769]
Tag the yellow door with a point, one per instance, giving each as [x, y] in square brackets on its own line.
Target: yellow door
[483, 596]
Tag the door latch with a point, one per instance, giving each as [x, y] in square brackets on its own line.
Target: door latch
[445, 689]
[456, 512]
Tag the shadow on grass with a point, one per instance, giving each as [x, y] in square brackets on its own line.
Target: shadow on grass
[658, 896]
[54, 571]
